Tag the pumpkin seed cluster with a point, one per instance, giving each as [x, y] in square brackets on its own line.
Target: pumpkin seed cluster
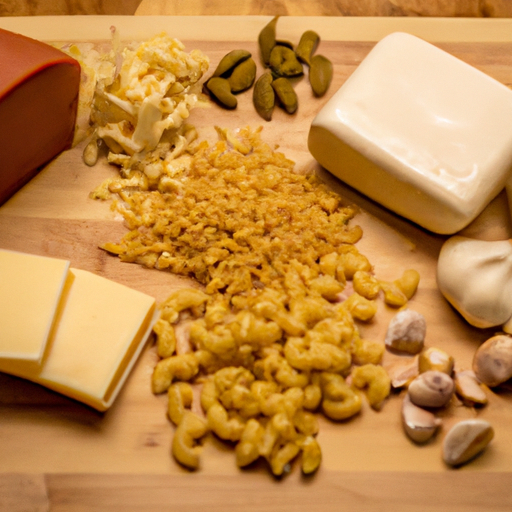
[236, 72]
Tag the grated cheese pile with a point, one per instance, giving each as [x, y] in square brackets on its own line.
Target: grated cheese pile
[229, 218]
[137, 98]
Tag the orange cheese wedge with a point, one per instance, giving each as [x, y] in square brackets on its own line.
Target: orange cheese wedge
[39, 88]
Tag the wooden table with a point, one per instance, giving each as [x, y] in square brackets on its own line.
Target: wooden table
[61, 456]
[460, 8]
[438, 8]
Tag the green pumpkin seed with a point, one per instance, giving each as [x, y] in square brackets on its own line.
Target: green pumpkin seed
[284, 62]
[220, 89]
[320, 74]
[307, 45]
[264, 96]
[267, 39]
[286, 94]
[230, 61]
[243, 76]
[283, 42]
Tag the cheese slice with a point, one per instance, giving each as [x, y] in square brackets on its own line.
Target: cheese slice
[39, 88]
[99, 331]
[31, 288]
[419, 131]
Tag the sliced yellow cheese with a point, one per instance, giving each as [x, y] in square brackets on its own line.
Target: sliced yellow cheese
[31, 288]
[99, 331]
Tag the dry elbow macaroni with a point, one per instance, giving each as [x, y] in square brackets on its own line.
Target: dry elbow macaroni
[273, 331]
[273, 338]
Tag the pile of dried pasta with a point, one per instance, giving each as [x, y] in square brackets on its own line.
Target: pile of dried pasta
[272, 335]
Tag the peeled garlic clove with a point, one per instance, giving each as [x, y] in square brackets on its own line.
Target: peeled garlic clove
[435, 359]
[406, 332]
[465, 440]
[492, 362]
[431, 389]
[469, 389]
[475, 276]
[420, 425]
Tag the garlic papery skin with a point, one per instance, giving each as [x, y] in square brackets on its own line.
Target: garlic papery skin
[475, 277]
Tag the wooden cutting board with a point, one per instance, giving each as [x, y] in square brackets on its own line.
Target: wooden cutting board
[58, 455]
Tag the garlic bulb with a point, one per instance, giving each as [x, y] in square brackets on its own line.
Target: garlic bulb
[475, 276]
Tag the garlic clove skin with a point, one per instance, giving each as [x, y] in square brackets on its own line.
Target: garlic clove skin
[431, 389]
[492, 362]
[419, 424]
[435, 359]
[403, 371]
[406, 332]
[475, 276]
[468, 388]
[465, 440]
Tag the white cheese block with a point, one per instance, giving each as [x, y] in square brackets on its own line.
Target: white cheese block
[30, 290]
[420, 132]
[99, 331]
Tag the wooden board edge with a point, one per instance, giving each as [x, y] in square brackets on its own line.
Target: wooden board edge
[356, 491]
[213, 28]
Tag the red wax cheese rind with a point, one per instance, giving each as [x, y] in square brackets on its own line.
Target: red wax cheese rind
[39, 88]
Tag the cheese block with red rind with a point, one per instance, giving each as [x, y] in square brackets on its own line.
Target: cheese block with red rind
[39, 88]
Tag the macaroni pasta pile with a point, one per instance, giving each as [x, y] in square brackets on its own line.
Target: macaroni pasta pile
[272, 334]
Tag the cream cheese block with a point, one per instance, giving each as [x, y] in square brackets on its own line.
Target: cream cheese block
[31, 287]
[421, 132]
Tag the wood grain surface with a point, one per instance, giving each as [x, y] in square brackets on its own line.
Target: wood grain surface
[436, 8]
[67, 7]
[58, 455]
